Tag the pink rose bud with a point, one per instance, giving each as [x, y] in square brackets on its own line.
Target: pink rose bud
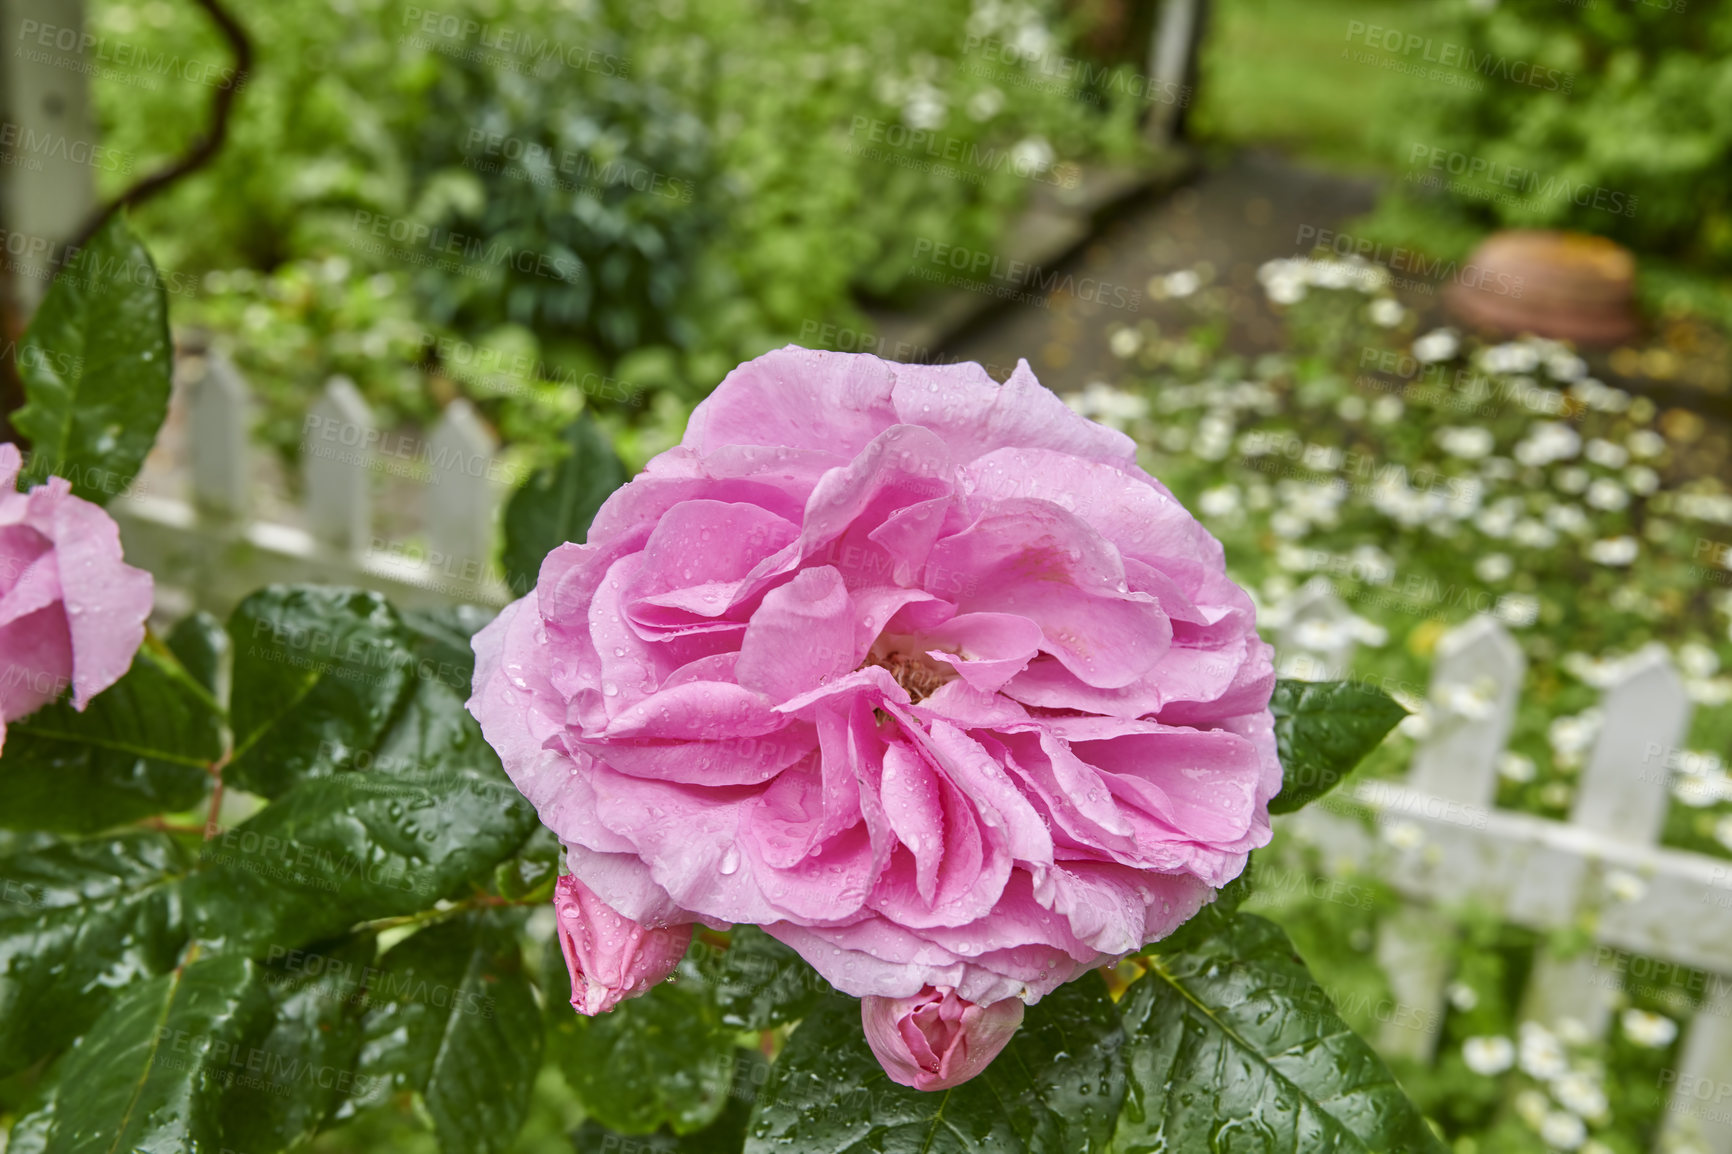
[71, 611]
[936, 1040]
[611, 957]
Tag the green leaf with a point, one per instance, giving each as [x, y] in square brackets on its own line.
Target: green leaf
[660, 1059]
[139, 748]
[318, 673]
[432, 732]
[302, 1055]
[335, 851]
[203, 648]
[453, 1018]
[1322, 730]
[1233, 1045]
[150, 1074]
[1055, 1089]
[758, 982]
[96, 366]
[78, 921]
[1212, 918]
[442, 637]
[557, 503]
[723, 1136]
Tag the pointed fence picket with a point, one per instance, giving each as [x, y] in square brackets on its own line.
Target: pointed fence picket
[206, 550]
[1439, 838]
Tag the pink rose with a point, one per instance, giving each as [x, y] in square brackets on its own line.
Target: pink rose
[71, 611]
[935, 1040]
[610, 958]
[919, 672]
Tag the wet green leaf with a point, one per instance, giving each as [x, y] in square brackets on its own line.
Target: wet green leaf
[1056, 1089]
[318, 673]
[300, 1058]
[139, 748]
[96, 366]
[1322, 730]
[1233, 1045]
[150, 1074]
[78, 921]
[758, 982]
[660, 1059]
[339, 850]
[452, 1017]
[723, 1136]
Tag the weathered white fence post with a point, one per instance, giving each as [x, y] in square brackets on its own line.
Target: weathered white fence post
[1696, 1107]
[462, 496]
[1475, 686]
[1646, 708]
[336, 459]
[218, 433]
[1471, 703]
[1316, 642]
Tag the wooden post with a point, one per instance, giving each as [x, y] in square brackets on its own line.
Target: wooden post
[219, 424]
[337, 459]
[1697, 1106]
[1624, 790]
[1645, 713]
[1173, 68]
[1475, 686]
[1315, 642]
[45, 102]
[463, 495]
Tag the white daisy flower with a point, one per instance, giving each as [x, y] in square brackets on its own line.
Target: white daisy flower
[1563, 1130]
[1387, 312]
[1493, 567]
[1607, 494]
[1625, 887]
[1645, 444]
[1437, 345]
[1653, 1031]
[1125, 343]
[1515, 767]
[1488, 1056]
[1580, 1094]
[1614, 551]
[1603, 452]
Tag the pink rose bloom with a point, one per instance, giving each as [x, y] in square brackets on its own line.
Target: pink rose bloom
[935, 1040]
[610, 958]
[71, 611]
[921, 673]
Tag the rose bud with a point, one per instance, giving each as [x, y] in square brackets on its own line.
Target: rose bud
[610, 957]
[936, 1040]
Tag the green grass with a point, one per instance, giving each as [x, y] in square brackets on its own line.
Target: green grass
[1274, 72]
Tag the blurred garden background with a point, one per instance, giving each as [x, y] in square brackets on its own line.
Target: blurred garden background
[1271, 271]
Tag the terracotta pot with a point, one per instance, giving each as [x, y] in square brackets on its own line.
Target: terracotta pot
[1564, 285]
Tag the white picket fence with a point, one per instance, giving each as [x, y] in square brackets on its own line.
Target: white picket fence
[1440, 840]
[209, 549]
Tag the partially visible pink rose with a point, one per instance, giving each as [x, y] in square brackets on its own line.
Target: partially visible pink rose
[919, 672]
[936, 1040]
[71, 611]
[610, 958]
